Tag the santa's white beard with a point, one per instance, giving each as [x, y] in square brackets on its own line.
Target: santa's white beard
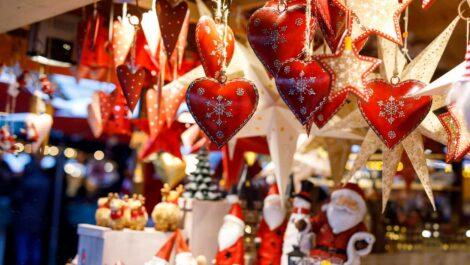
[273, 215]
[341, 218]
[185, 259]
[229, 234]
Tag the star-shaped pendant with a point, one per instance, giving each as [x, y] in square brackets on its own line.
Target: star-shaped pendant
[374, 17]
[349, 70]
[426, 4]
[458, 144]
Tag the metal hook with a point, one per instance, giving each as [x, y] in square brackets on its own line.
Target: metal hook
[461, 11]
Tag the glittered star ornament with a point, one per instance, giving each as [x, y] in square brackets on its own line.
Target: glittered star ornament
[374, 17]
[421, 69]
[458, 144]
[349, 70]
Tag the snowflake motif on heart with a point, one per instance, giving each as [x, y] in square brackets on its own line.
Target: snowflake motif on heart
[391, 109]
[275, 37]
[220, 109]
[301, 86]
[218, 49]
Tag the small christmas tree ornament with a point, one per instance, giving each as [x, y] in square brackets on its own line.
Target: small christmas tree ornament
[200, 185]
[277, 34]
[303, 84]
[220, 107]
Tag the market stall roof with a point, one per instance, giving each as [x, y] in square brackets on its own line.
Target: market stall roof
[15, 14]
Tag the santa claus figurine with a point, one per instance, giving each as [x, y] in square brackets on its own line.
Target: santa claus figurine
[272, 227]
[301, 212]
[163, 255]
[230, 236]
[184, 256]
[340, 231]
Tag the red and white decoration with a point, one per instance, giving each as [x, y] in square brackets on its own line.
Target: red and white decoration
[230, 237]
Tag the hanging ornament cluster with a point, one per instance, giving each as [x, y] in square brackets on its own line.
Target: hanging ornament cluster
[220, 107]
[7, 140]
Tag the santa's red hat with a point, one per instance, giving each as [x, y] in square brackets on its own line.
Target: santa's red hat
[236, 213]
[164, 253]
[353, 191]
[273, 192]
[182, 248]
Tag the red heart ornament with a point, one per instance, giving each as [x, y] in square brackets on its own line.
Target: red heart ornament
[392, 115]
[329, 109]
[210, 45]
[331, 20]
[277, 36]
[131, 84]
[221, 110]
[171, 20]
[304, 87]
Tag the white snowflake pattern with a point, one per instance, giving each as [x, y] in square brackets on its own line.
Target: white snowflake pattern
[299, 21]
[218, 49]
[301, 86]
[240, 92]
[201, 91]
[220, 109]
[392, 135]
[391, 109]
[275, 37]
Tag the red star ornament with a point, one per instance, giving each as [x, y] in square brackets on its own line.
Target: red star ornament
[117, 122]
[369, 17]
[349, 70]
[168, 140]
[458, 144]
[221, 109]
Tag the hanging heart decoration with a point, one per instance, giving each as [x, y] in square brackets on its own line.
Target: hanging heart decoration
[304, 87]
[392, 115]
[123, 35]
[132, 82]
[171, 20]
[278, 35]
[329, 109]
[151, 30]
[221, 109]
[210, 45]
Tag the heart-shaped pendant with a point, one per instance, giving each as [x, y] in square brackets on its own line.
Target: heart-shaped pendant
[131, 84]
[278, 35]
[210, 45]
[171, 20]
[304, 87]
[392, 115]
[221, 110]
[329, 109]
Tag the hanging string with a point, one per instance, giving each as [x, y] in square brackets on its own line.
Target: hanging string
[406, 34]
[282, 5]
[218, 11]
[395, 76]
[154, 5]
[124, 10]
[225, 12]
[308, 47]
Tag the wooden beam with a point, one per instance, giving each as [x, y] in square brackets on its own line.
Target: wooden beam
[18, 13]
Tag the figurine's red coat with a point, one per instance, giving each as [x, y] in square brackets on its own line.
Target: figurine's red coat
[325, 238]
[233, 255]
[270, 250]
